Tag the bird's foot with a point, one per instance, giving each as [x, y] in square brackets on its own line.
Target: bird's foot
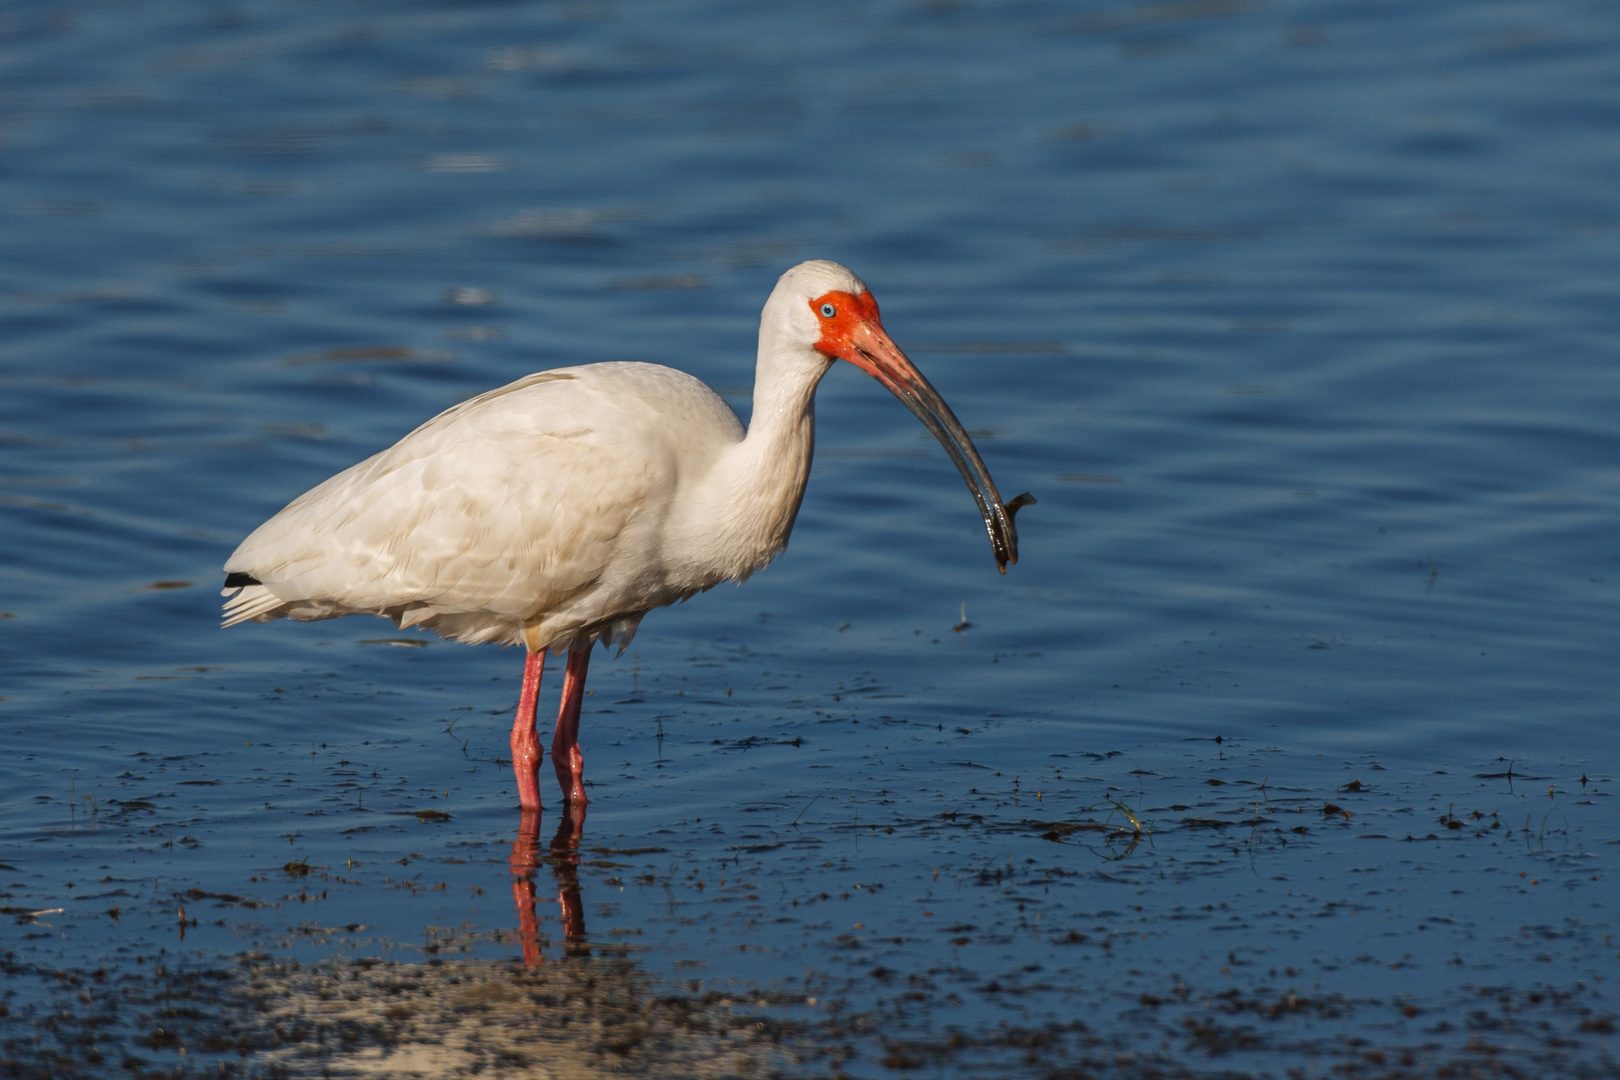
[526, 769]
[569, 763]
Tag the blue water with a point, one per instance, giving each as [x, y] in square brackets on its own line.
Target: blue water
[1297, 319]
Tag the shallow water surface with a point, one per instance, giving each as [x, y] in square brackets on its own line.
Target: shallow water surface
[1287, 748]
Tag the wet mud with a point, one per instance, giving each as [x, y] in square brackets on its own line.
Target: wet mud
[601, 1015]
[1286, 750]
[1111, 922]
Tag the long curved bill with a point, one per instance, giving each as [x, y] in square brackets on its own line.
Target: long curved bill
[872, 350]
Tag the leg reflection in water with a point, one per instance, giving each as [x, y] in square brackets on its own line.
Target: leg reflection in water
[564, 860]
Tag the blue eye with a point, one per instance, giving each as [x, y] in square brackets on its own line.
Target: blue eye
[828, 311]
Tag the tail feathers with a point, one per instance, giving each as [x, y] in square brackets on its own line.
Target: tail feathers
[251, 602]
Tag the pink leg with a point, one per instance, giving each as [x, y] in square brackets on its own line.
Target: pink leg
[525, 743]
[566, 757]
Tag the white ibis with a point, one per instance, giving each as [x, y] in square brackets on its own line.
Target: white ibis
[558, 510]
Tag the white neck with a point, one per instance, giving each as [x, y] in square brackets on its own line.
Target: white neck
[746, 504]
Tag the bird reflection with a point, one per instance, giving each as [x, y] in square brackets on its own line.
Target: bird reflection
[564, 861]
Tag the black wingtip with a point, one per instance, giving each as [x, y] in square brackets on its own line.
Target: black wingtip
[237, 580]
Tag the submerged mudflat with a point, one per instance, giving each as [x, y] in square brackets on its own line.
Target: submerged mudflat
[1288, 748]
[1230, 908]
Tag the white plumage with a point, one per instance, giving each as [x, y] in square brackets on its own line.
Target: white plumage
[538, 506]
[558, 510]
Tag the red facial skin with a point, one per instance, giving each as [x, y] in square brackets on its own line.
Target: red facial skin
[837, 331]
[854, 332]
